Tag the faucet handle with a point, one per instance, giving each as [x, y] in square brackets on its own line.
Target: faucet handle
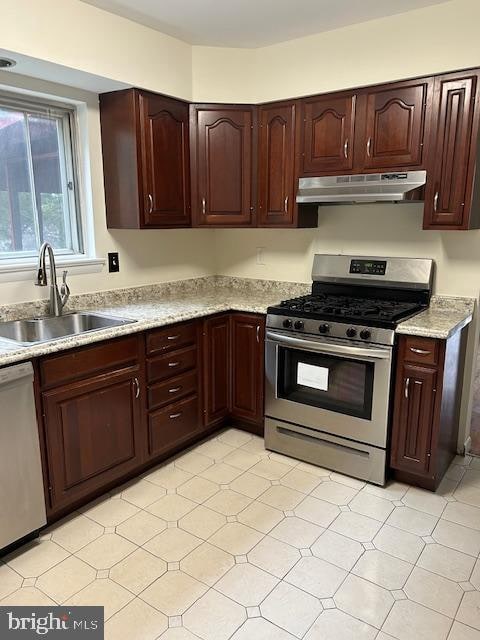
[64, 289]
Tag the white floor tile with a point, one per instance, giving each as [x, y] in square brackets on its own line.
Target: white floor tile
[297, 532]
[291, 609]
[399, 543]
[434, 591]
[260, 629]
[370, 505]
[469, 611]
[202, 522]
[337, 549]
[274, 556]
[382, 569]
[337, 625]
[463, 514]
[207, 563]
[138, 570]
[457, 537]
[460, 631]
[236, 538]
[317, 577]
[246, 584]
[334, 492]
[364, 600]
[317, 511]
[173, 593]
[408, 620]
[446, 562]
[106, 551]
[355, 526]
[261, 517]
[136, 621]
[214, 617]
[35, 558]
[413, 521]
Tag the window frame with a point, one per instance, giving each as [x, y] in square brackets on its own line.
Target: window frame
[70, 173]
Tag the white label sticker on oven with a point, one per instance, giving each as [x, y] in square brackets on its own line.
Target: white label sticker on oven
[310, 375]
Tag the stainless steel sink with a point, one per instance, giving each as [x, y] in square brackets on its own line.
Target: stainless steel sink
[34, 330]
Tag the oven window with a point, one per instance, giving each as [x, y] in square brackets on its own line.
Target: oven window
[329, 382]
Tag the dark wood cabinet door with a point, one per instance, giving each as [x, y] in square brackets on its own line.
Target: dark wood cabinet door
[392, 122]
[413, 418]
[222, 144]
[166, 172]
[216, 368]
[451, 168]
[276, 165]
[328, 134]
[94, 434]
[248, 367]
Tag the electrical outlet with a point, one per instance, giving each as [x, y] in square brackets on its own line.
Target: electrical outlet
[260, 255]
[113, 263]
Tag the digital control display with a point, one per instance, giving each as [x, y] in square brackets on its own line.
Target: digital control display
[368, 267]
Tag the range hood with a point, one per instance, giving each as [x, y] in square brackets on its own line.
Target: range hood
[371, 187]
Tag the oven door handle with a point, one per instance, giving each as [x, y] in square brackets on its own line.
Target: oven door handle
[324, 347]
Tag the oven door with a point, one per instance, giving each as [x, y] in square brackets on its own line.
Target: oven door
[329, 385]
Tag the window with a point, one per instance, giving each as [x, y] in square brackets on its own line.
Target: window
[38, 183]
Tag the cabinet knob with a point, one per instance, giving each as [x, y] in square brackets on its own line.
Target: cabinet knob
[150, 203]
[172, 416]
[204, 206]
[407, 385]
[369, 146]
[435, 201]
[345, 148]
[137, 388]
[173, 364]
[285, 205]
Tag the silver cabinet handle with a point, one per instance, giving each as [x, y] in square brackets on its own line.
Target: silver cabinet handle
[175, 389]
[150, 203]
[137, 388]
[204, 206]
[258, 333]
[345, 148]
[422, 352]
[369, 146]
[173, 364]
[173, 337]
[172, 416]
[285, 205]
[435, 201]
[407, 385]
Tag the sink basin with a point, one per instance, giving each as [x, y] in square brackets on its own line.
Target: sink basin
[34, 330]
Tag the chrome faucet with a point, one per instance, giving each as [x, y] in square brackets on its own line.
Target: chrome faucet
[58, 299]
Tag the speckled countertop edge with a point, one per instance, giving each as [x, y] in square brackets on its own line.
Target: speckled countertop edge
[151, 307]
[154, 306]
[444, 316]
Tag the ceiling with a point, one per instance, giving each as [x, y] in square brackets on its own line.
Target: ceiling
[252, 23]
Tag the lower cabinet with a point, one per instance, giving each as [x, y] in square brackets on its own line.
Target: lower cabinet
[426, 408]
[93, 423]
[173, 387]
[248, 367]
[234, 370]
[111, 409]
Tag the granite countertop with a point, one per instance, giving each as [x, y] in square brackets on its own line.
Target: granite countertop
[151, 307]
[154, 306]
[444, 316]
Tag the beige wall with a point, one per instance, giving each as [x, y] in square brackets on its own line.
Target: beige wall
[80, 36]
[430, 40]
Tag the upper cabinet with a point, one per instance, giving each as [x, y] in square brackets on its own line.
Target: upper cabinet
[379, 129]
[146, 160]
[451, 202]
[222, 139]
[169, 164]
[391, 124]
[328, 130]
[278, 169]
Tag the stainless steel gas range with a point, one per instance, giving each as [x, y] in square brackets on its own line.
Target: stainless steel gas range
[329, 358]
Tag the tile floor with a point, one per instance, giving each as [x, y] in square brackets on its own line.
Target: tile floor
[229, 541]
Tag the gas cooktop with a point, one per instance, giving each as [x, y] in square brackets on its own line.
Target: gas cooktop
[349, 309]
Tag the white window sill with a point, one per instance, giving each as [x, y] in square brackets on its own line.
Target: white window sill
[11, 272]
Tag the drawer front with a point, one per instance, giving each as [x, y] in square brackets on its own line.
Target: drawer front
[171, 364]
[172, 425]
[163, 393]
[421, 350]
[178, 335]
[57, 370]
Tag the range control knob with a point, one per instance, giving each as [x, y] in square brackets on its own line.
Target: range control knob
[298, 325]
[288, 324]
[365, 334]
[324, 328]
[351, 332]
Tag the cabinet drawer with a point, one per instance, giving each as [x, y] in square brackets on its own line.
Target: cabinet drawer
[173, 424]
[171, 364]
[164, 393]
[80, 363]
[178, 335]
[421, 350]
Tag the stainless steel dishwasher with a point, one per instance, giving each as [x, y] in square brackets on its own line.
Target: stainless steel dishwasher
[22, 501]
